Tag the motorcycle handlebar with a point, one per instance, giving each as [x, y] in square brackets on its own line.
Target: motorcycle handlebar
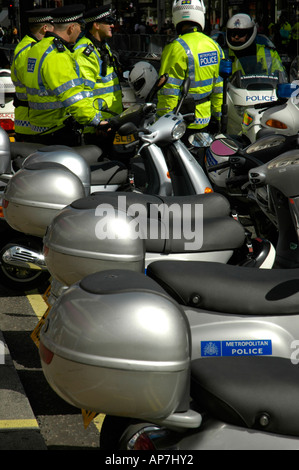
[219, 166]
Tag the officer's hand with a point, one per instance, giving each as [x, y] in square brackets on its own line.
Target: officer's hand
[214, 126]
[103, 128]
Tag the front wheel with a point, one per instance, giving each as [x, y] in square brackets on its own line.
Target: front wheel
[20, 278]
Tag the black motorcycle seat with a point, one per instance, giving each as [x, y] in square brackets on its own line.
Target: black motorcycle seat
[229, 289]
[108, 172]
[256, 392]
[214, 204]
[166, 216]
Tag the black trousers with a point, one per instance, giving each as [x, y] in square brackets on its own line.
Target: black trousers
[63, 136]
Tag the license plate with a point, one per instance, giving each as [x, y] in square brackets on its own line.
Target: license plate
[35, 335]
[123, 139]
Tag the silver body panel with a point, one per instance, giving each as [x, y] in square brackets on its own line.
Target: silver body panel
[69, 260]
[65, 156]
[136, 359]
[36, 196]
[5, 160]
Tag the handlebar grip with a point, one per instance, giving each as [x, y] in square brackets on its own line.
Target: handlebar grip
[219, 166]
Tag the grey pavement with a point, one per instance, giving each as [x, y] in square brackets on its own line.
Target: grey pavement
[19, 429]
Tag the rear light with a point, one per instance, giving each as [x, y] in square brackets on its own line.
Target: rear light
[143, 442]
[1, 212]
[7, 124]
[5, 203]
[45, 354]
[45, 250]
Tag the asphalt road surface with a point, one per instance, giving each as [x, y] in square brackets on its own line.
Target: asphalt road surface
[61, 425]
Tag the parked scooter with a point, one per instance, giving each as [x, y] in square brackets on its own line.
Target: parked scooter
[131, 230]
[170, 169]
[22, 265]
[149, 343]
[228, 163]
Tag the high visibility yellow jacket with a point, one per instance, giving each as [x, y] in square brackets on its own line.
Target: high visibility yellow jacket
[55, 88]
[295, 32]
[267, 61]
[99, 71]
[18, 67]
[285, 32]
[198, 56]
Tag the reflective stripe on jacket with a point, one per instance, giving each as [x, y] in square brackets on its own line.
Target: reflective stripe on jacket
[198, 56]
[55, 88]
[18, 67]
[104, 87]
[269, 60]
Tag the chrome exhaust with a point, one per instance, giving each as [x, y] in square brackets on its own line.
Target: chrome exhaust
[24, 258]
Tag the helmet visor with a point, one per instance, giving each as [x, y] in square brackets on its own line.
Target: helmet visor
[238, 35]
[138, 84]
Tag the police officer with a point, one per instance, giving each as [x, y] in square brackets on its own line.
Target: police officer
[285, 30]
[58, 101]
[39, 22]
[99, 69]
[245, 53]
[195, 55]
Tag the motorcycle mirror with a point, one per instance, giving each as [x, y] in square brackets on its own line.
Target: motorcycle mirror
[188, 106]
[96, 105]
[224, 147]
[185, 89]
[160, 82]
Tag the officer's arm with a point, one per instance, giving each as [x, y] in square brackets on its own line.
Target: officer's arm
[175, 65]
[69, 88]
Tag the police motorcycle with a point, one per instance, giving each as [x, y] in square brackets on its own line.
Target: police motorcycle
[247, 90]
[228, 159]
[27, 270]
[29, 208]
[174, 366]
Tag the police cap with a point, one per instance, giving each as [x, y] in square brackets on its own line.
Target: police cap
[40, 15]
[100, 14]
[68, 14]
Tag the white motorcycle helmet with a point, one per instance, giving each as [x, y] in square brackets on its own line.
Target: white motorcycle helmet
[241, 31]
[142, 78]
[193, 10]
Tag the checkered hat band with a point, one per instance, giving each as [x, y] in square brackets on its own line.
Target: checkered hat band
[97, 17]
[43, 19]
[68, 19]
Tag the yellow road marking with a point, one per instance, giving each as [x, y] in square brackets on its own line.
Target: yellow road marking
[98, 421]
[38, 304]
[18, 424]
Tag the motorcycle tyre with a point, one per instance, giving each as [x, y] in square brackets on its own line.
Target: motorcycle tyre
[112, 430]
[30, 280]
